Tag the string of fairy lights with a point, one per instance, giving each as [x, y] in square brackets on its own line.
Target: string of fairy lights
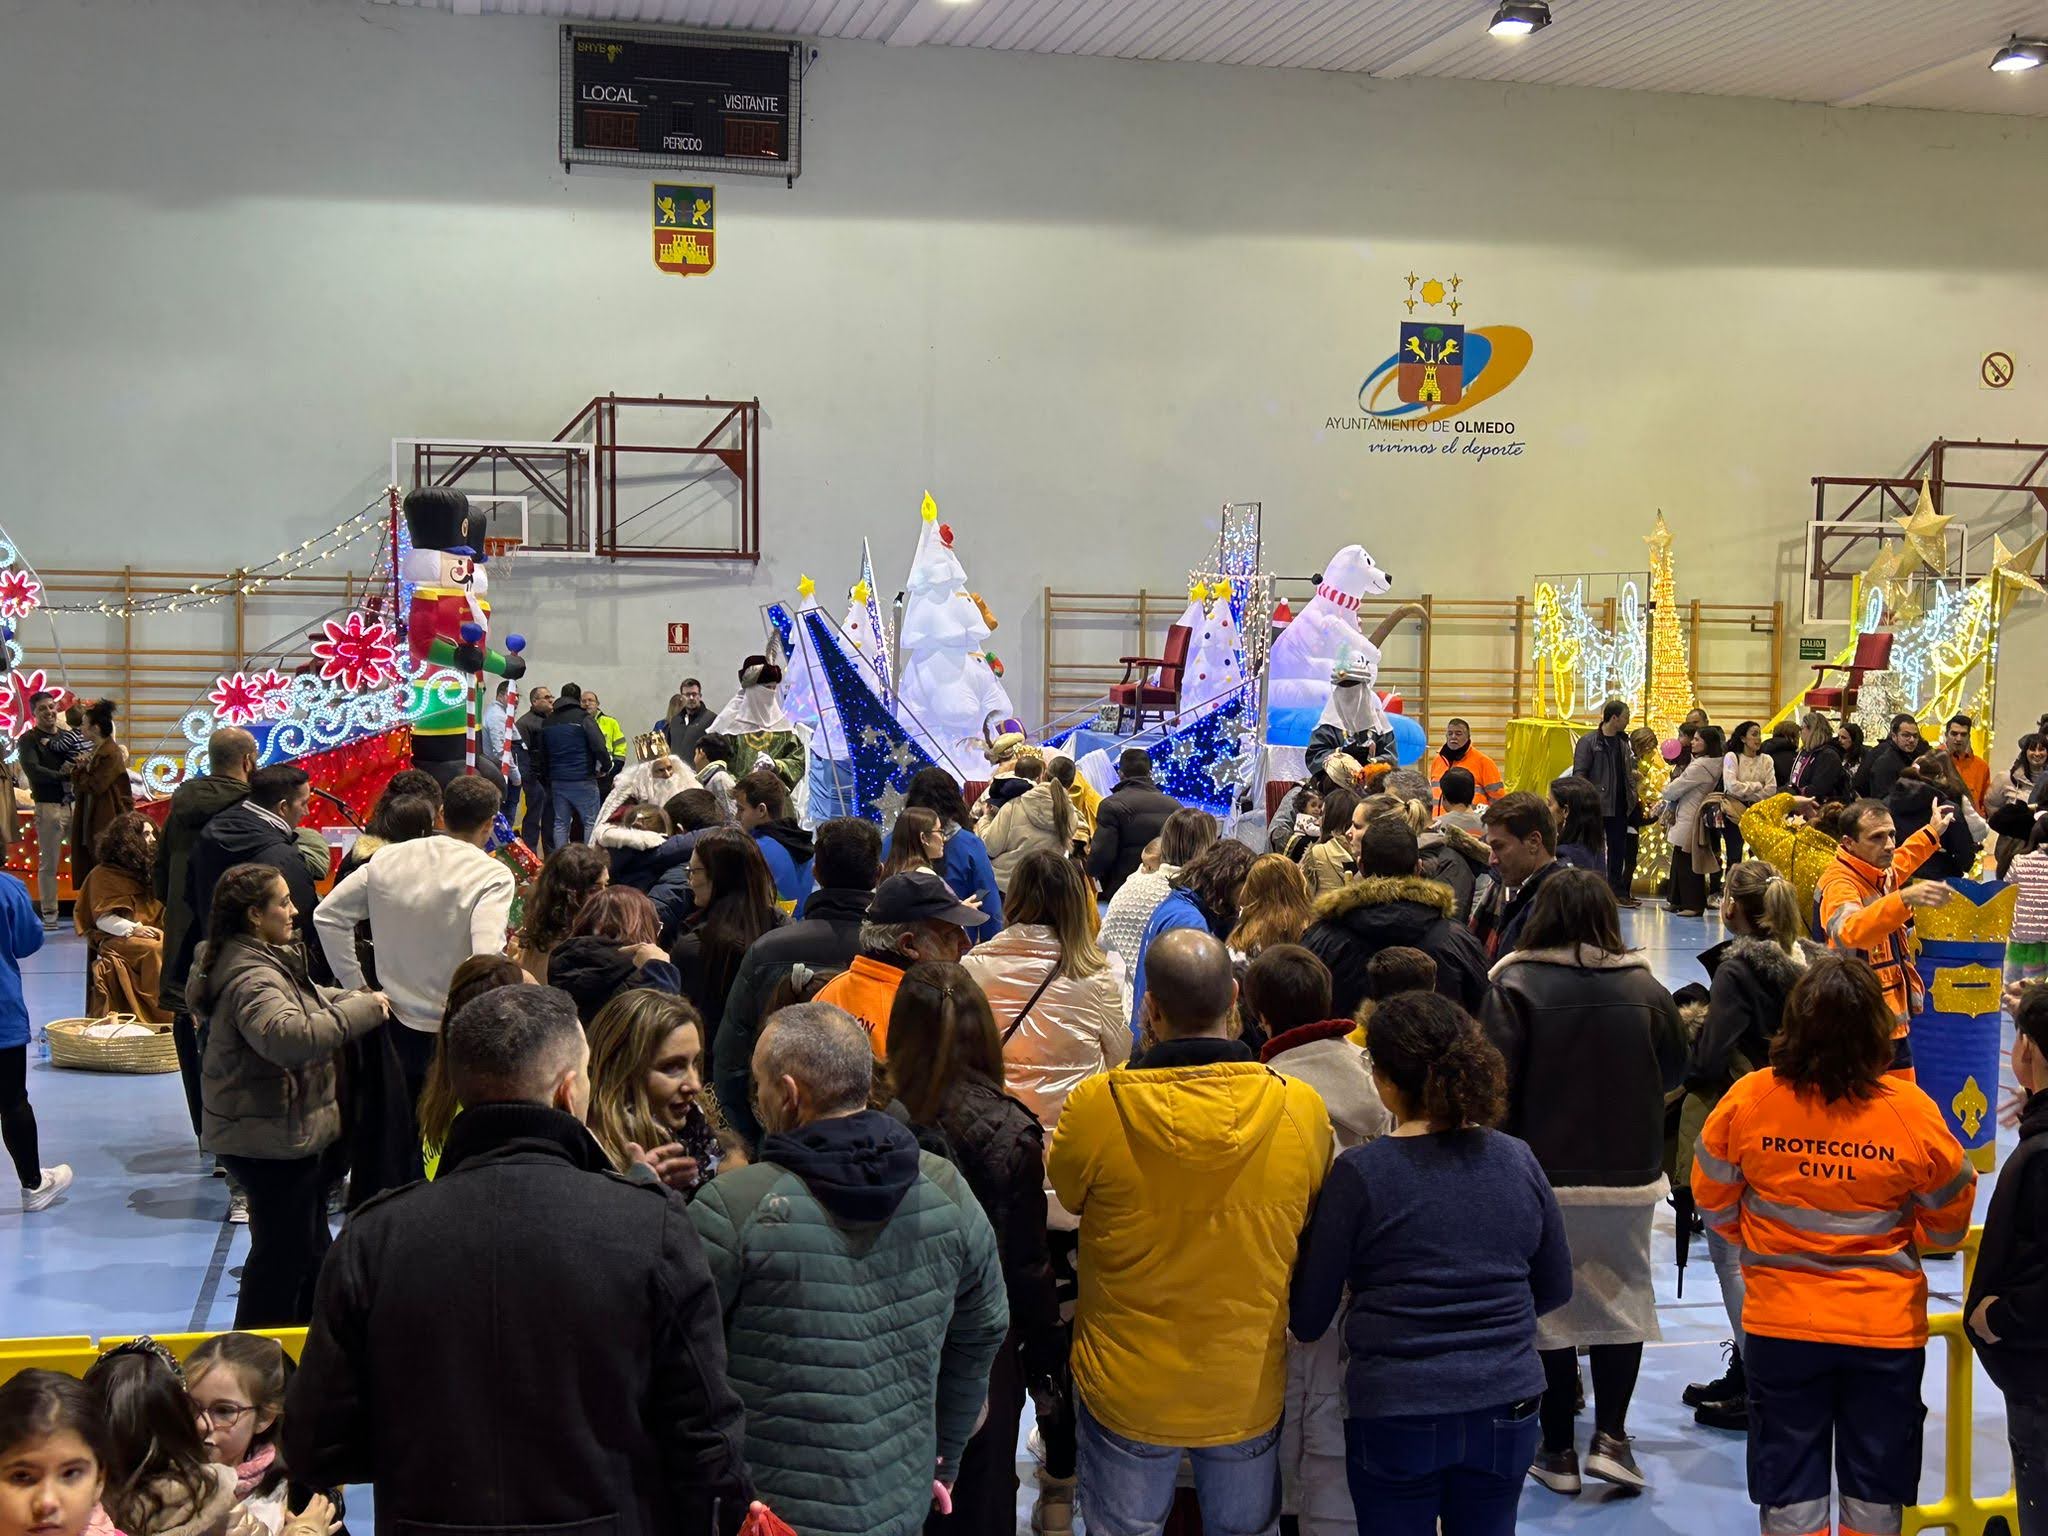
[371, 522]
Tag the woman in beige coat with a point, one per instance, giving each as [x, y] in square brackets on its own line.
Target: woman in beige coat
[267, 1084]
[1041, 820]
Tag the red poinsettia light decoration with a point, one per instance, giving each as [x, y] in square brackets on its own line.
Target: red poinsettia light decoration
[23, 686]
[358, 652]
[20, 594]
[946, 534]
[238, 699]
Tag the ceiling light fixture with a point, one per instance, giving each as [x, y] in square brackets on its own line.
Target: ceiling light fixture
[1518, 18]
[2022, 53]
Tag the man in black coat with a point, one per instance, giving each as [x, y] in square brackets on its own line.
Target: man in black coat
[261, 828]
[1391, 906]
[846, 865]
[537, 819]
[1883, 763]
[530, 1339]
[1523, 836]
[1129, 817]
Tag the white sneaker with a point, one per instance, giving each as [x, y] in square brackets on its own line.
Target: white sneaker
[238, 1207]
[55, 1181]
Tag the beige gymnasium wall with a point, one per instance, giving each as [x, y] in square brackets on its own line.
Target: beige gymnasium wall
[245, 244]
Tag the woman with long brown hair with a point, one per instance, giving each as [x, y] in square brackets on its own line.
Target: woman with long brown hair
[1326, 861]
[1184, 835]
[733, 903]
[570, 877]
[647, 1099]
[917, 841]
[123, 923]
[1830, 1175]
[946, 1065]
[1273, 908]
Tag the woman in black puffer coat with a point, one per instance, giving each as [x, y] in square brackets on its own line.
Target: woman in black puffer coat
[1753, 972]
[946, 1069]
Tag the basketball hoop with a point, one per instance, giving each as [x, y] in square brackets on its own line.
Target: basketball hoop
[497, 549]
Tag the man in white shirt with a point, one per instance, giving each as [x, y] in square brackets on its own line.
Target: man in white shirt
[431, 904]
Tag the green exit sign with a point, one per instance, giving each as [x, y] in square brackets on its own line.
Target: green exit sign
[1813, 649]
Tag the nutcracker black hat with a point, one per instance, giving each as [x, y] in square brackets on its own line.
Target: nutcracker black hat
[438, 518]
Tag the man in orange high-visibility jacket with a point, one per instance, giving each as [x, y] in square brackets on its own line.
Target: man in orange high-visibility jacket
[1866, 905]
[1827, 1173]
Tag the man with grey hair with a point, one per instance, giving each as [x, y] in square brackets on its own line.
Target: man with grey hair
[855, 1271]
[530, 1339]
[914, 916]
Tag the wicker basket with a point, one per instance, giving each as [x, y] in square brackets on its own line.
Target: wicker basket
[71, 1047]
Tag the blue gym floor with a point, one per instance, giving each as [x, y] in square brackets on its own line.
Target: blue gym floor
[142, 1241]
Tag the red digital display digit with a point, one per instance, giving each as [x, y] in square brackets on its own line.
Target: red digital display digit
[610, 130]
[753, 138]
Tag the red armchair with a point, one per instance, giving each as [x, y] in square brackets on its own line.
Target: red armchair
[1873, 654]
[1137, 698]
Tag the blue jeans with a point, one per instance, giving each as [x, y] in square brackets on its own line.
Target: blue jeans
[1463, 1468]
[576, 795]
[1125, 1487]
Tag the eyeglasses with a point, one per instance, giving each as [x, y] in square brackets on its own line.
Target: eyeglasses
[222, 1415]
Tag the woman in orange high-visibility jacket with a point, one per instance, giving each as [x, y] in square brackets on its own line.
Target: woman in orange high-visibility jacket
[1828, 1174]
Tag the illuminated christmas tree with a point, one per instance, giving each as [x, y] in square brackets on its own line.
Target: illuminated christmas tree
[1669, 697]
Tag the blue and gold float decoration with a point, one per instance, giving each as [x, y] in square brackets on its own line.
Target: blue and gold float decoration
[1956, 1035]
[884, 754]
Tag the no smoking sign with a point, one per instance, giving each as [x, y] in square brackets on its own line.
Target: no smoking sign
[1996, 371]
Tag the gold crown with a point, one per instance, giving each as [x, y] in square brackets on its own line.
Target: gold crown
[648, 747]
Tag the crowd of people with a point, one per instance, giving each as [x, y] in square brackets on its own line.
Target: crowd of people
[787, 1164]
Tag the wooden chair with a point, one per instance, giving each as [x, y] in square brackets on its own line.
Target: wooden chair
[1137, 698]
[1873, 654]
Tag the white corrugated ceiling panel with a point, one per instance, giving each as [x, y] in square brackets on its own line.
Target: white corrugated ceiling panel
[1916, 53]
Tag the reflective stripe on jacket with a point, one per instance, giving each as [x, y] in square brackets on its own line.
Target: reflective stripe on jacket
[1861, 914]
[1825, 1204]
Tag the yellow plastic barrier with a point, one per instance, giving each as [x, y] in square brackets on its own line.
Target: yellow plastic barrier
[1959, 1509]
[73, 1353]
[70, 1353]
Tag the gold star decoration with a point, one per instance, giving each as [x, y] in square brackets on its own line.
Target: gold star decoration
[1926, 534]
[860, 591]
[2017, 565]
[1659, 541]
[805, 586]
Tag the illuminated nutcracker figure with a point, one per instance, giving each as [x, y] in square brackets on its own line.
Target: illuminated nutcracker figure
[448, 623]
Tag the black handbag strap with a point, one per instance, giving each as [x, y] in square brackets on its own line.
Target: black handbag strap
[1033, 998]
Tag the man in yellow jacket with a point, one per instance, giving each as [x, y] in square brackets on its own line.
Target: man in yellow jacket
[1192, 1170]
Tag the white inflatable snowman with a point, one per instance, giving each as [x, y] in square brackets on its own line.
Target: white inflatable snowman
[1298, 671]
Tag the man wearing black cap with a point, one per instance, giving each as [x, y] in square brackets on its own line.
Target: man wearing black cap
[914, 916]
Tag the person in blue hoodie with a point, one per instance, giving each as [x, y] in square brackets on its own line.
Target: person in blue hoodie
[21, 935]
[1203, 895]
[965, 867]
[761, 804]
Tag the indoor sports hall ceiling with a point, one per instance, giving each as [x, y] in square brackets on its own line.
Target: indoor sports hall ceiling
[1895, 53]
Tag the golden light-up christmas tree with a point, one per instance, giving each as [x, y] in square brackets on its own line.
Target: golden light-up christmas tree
[1668, 698]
